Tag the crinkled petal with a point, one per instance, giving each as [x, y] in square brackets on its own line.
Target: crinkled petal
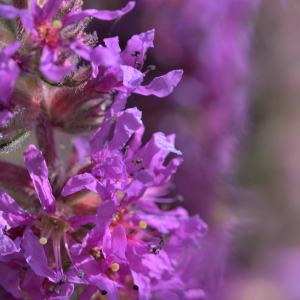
[76, 16]
[105, 214]
[83, 145]
[113, 167]
[113, 44]
[138, 43]
[12, 212]
[81, 49]
[126, 125]
[158, 142]
[49, 68]
[88, 181]
[136, 188]
[104, 57]
[65, 292]
[5, 115]
[81, 220]
[161, 86]
[38, 172]
[132, 77]
[136, 141]
[35, 255]
[8, 51]
[165, 174]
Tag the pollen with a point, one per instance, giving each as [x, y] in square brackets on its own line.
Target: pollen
[43, 240]
[115, 267]
[57, 24]
[143, 224]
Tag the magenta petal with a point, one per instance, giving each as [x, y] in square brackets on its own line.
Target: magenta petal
[38, 172]
[138, 43]
[5, 115]
[118, 105]
[48, 65]
[10, 12]
[161, 86]
[76, 16]
[35, 255]
[136, 141]
[9, 278]
[8, 51]
[132, 77]
[88, 293]
[12, 212]
[105, 214]
[7, 246]
[118, 243]
[126, 125]
[65, 292]
[81, 49]
[81, 220]
[113, 44]
[88, 181]
[48, 11]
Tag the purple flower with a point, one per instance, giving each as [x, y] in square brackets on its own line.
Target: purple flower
[48, 35]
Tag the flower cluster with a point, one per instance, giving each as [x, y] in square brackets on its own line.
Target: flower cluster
[96, 225]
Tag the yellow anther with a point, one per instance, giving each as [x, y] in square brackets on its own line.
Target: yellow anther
[43, 240]
[115, 267]
[143, 224]
[57, 24]
[27, 298]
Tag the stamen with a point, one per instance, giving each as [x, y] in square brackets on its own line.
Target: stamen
[134, 162]
[62, 280]
[151, 67]
[81, 274]
[139, 160]
[143, 224]
[149, 247]
[144, 168]
[135, 287]
[155, 253]
[103, 292]
[43, 241]
[115, 267]
[68, 251]
[135, 54]
[57, 24]
[25, 268]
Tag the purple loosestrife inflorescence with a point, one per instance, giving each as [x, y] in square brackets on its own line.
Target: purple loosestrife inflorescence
[95, 224]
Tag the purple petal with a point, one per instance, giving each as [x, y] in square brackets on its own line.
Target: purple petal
[48, 11]
[136, 142]
[165, 174]
[119, 242]
[113, 44]
[105, 214]
[12, 211]
[88, 293]
[81, 220]
[138, 43]
[104, 57]
[161, 86]
[126, 125]
[35, 255]
[38, 172]
[76, 16]
[132, 77]
[98, 142]
[118, 105]
[9, 278]
[5, 115]
[88, 181]
[158, 142]
[10, 12]
[113, 168]
[49, 68]
[8, 51]
[65, 292]
[81, 49]
[136, 188]
[7, 246]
